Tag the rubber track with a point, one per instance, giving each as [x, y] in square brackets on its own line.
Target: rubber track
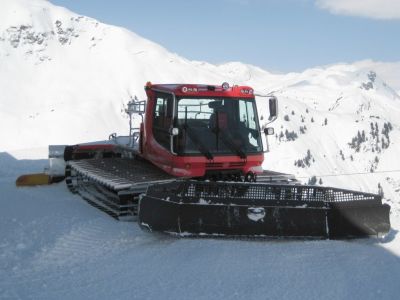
[113, 185]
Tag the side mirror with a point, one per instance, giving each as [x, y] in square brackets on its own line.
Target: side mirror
[273, 108]
[269, 131]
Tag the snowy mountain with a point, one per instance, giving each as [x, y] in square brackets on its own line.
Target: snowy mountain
[61, 72]
[338, 120]
[65, 79]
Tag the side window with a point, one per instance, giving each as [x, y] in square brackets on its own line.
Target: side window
[159, 112]
[246, 114]
[162, 118]
[243, 112]
[250, 116]
[248, 124]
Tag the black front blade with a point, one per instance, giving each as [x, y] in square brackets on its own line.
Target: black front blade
[239, 209]
[358, 219]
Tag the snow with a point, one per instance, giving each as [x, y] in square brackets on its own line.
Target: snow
[65, 79]
[55, 245]
[256, 213]
[202, 201]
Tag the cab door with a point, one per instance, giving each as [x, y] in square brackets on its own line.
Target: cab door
[159, 145]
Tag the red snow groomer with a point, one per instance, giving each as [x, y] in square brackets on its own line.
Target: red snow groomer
[194, 167]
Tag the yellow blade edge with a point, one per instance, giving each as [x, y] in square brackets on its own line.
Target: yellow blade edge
[33, 179]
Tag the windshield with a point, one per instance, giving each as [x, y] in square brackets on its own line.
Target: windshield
[217, 126]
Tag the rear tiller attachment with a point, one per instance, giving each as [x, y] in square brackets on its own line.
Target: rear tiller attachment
[193, 208]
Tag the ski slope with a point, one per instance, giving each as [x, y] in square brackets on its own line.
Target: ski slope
[53, 245]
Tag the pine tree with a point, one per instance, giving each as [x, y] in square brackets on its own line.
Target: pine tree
[341, 154]
[372, 130]
[312, 180]
[281, 135]
[380, 190]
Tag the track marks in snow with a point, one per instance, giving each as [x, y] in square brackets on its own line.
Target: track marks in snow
[87, 256]
[82, 244]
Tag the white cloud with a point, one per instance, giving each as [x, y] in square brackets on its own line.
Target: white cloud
[375, 9]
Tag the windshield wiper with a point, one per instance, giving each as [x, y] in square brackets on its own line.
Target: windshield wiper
[199, 144]
[227, 140]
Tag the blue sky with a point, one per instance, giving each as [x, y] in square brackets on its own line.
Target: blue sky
[277, 35]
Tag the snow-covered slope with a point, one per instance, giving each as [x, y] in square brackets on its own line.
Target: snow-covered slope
[338, 120]
[53, 245]
[65, 78]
